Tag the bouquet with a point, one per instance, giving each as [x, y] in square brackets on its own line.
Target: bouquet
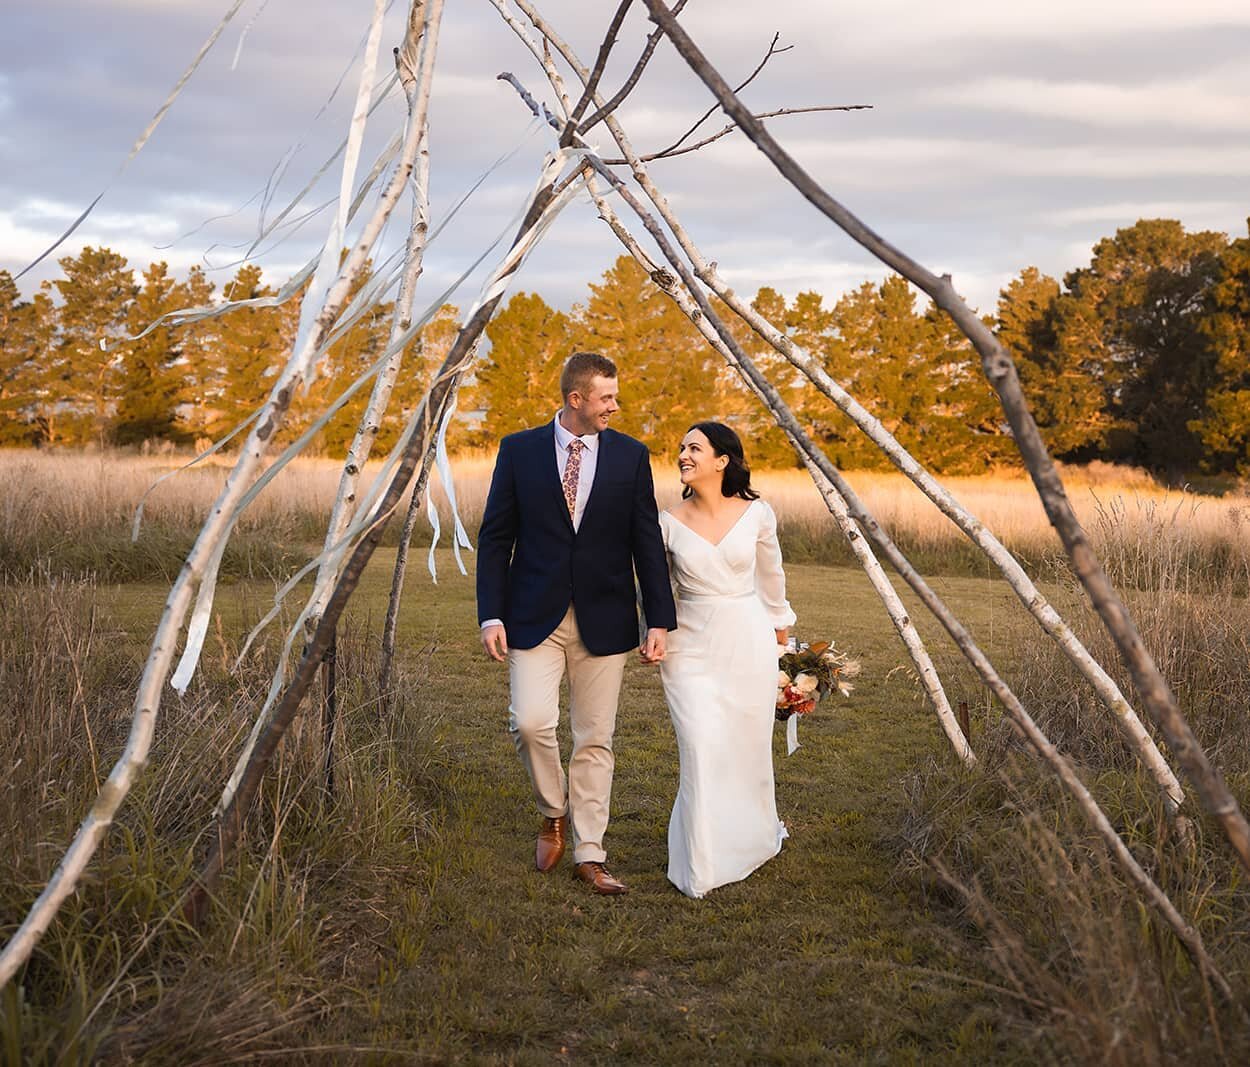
[808, 673]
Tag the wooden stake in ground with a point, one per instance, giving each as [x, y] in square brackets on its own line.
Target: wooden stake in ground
[415, 66]
[1000, 370]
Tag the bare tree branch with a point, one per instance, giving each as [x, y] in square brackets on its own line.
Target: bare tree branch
[1000, 370]
[1126, 719]
[824, 471]
[592, 83]
[648, 50]
[669, 153]
[430, 414]
[773, 50]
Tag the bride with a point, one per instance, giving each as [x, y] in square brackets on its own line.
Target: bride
[720, 670]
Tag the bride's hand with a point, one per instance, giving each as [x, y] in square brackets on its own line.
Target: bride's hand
[652, 650]
[783, 635]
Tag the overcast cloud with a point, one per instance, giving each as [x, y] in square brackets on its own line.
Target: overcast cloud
[1000, 136]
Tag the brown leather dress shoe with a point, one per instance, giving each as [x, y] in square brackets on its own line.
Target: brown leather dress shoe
[551, 840]
[600, 879]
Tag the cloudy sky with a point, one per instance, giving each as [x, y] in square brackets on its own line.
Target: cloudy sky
[1001, 135]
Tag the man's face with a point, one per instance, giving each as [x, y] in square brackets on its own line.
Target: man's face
[590, 412]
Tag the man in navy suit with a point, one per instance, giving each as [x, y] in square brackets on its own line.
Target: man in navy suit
[569, 520]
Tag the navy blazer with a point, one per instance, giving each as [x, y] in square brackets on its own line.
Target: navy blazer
[531, 565]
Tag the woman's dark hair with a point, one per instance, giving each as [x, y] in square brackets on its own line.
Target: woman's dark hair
[736, 478]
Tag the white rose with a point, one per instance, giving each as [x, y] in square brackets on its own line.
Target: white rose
[783, 679]
[805, 683]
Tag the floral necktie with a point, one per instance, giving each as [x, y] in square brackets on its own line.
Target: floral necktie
[571, 471]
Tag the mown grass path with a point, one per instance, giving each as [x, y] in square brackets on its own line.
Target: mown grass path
[831, 952]
[835, 951]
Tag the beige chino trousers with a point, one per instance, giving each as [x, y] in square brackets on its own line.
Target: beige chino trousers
[534, 675]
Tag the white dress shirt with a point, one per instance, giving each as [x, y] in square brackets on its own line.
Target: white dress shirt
[585, 476]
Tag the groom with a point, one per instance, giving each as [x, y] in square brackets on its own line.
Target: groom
[570, 518]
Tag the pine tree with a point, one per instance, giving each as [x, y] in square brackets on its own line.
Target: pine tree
[25, 334]
[1135, 315]
[147, 394]
[1062, 383]
[349, 357]
[518, 384]
[668, 375]
[252, 344]
[96, 294]
[809, 324]
[195, 365]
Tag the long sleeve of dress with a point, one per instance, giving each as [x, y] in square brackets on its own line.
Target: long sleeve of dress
[770, 579]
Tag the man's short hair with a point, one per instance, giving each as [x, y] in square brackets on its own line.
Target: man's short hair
[580, 368]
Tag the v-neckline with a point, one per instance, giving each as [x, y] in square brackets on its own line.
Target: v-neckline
[724, 536]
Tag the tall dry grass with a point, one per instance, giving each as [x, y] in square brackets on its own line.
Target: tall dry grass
[1067, 936]
[307, 922]
[301, 922]
[72, 512]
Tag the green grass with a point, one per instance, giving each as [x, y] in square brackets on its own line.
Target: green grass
[826, 950]
[407, 919]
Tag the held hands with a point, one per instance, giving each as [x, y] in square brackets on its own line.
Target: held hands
[495, 641]
[653, 646]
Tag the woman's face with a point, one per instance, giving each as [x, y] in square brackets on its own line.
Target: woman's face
[698, 462]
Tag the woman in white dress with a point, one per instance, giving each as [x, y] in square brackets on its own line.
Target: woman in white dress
[720, 670]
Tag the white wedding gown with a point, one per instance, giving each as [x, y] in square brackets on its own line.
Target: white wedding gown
[720, 681]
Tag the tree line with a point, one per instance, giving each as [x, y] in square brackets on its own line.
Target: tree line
[1141, 357]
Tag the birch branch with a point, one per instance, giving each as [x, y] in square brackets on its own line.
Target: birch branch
[540, 212]
[391, 625]
[194, 571]
[723, 343]
[833, 485]
[1126, 719]
[816, 461]
[732, 353]
[834, 501]
[648, 51]
[999, 368]
[415, 64]
[592, 81]
[344, 508]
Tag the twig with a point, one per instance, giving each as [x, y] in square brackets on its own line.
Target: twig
[669, 153]
[592, 83]
[648, 50]
[773, 50]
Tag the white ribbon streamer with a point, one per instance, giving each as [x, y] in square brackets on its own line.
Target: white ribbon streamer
[442, 463]
[197, 630]
[792, 733]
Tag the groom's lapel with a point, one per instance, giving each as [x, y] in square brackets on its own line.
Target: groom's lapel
[548, 473]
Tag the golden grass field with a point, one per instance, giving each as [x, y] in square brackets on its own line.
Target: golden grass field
[82, 495]
[920, 913]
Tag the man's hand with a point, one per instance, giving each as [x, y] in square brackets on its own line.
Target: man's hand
[495, 641]
[652, 650]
